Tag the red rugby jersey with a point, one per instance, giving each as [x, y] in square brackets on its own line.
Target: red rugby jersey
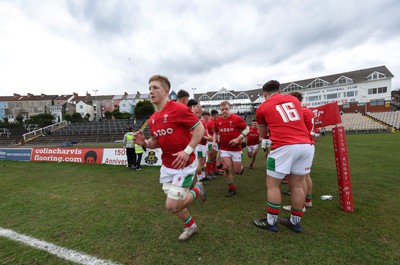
[228, 129]
[171, 127]
[284, 117]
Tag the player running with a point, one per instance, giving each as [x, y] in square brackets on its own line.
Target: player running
[253, 140]
[170, 128]
[231, 129]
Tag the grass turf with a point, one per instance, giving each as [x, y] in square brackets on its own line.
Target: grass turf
[118, 214]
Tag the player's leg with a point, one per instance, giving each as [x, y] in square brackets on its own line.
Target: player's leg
[254, 152]
[200, 163]
[301, 155]
[237, 162]
[309, 185]
[176, 185]
[273, 204]
[278, 166]
[227, 164]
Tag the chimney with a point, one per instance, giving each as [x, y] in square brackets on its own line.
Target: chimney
[75, 94]
[87, 94]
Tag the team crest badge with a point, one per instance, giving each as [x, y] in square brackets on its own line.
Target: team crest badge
[151, 158]
[165, 118]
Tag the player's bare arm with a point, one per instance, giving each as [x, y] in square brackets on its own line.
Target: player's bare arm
[214, 139]
[237, 140]
[262, 130]
[183, 156]
[140, 139]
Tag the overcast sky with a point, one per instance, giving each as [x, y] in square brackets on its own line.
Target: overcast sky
[60, 47]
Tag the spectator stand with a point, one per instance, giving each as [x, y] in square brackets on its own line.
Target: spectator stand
[389, 118]
[358, 123]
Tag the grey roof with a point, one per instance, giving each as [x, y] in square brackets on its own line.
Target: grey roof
[253, 93]
[357, 76]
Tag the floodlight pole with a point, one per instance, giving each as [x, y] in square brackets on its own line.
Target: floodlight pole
[95, 95]
[194, 90]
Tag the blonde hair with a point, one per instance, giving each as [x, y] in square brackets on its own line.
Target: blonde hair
[225, 102]
[162, 79]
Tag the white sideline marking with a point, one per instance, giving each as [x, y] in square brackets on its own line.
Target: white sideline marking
[61, 252]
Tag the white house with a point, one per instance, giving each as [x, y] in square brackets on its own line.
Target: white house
[85, 107]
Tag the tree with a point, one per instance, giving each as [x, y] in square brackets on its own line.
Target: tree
[20, 119]
[108, 114]
[42, 119]
[68, 117]
[76, 117]
[5, 120]
[116, 113]
[87, 117]
[144, 109]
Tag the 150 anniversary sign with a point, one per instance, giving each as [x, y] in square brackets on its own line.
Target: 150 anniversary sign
[109, 156]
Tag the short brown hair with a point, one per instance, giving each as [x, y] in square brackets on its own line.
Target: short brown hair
[271, 86]
[205, 113]
[162, 79]
[298, 95]
[182, 94]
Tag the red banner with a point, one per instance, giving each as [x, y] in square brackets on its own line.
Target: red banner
[343, 169]
[327, 114]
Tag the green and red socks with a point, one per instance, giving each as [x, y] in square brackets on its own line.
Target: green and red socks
[189, 222]
[273, 210]
[195, 192]
[296, 215]
[308, 198]
[231, 186]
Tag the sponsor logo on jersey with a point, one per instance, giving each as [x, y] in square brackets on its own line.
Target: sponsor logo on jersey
[226, 130]
[163, 132]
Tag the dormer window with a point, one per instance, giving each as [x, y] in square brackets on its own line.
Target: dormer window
[343, 80]
[293, 87]
[376, 75]
[318, 83]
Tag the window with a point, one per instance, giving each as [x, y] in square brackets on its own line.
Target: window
[80, 106]
[204, 98]
[313, 98]
[223, 96]
[376, 75]
[331, 96]
[318, 83]
[242, 96]
[377, 102]
[382, 90]
[292, 87]
[343, 80]
[346, 105]
[377, 90]
[350, 94]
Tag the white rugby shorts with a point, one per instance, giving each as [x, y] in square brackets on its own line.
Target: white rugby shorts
[290, 159]
[235, 155]
[178, 177]
[210, 146]
[201, 150]
[250, 148]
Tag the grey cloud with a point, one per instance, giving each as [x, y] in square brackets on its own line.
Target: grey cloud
[106, 17]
